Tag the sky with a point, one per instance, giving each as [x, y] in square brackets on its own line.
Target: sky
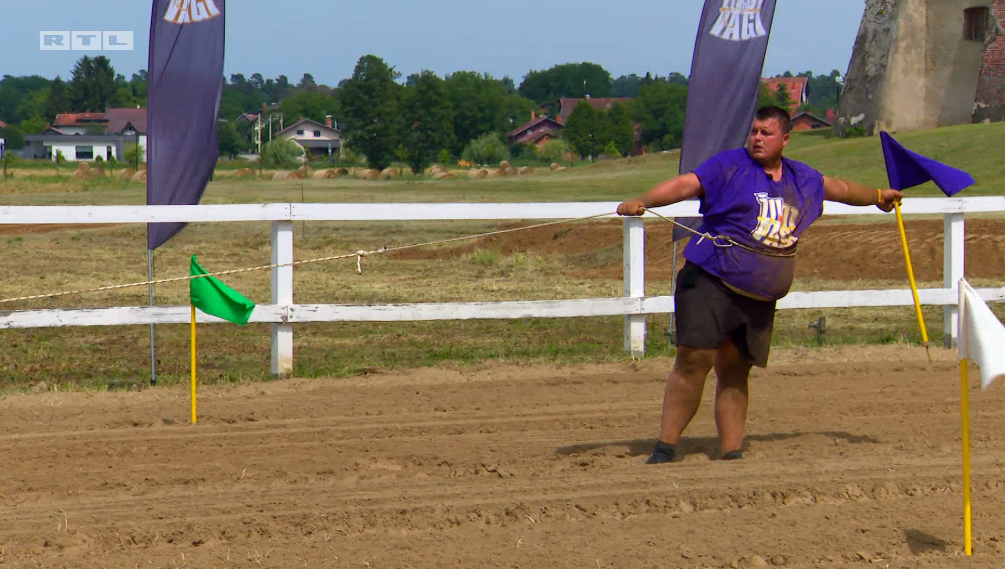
[326, 37]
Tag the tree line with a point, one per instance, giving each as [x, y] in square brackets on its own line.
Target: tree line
[420, 120]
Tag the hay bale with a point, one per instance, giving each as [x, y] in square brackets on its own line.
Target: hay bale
[295, 175]
[435, 169]
[280, 175]
[504, 165]
[477, 173]
[560, 169]
[526, 170]
[306, 171]
[79, 174]
[369, 174]
[511, 171]
[342, 172]
[389, 173]
[140, 176]
[443, 176]
[494, 173]
[555, 166]
[324, 174]
[125, 173]
[242, 172]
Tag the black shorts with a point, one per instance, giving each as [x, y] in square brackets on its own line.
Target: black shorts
[707, 313]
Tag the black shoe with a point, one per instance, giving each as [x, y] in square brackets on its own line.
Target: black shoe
[662, 453]
[735, 455]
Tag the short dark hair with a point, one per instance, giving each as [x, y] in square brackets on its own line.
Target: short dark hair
[778, 113]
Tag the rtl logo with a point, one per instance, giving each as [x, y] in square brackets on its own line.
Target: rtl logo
[85, 41]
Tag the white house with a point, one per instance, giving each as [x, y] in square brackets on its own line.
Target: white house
[321, 140]
[85, 136]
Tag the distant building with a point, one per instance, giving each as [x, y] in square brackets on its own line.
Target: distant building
[321, 140]
[807, 121]
[537, 132]
[85, 136]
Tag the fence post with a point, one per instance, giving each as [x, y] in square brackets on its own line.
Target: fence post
[954, 251]
[282, 294]
[634, 248]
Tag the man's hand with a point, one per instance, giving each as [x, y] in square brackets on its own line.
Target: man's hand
[886, 199]
[632, 208]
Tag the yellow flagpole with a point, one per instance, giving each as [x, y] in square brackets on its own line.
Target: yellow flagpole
[193, 365]
[914, 284]
[965, 406]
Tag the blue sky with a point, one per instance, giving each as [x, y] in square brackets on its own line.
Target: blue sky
[325, 37]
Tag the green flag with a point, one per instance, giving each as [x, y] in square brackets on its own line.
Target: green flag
[211, 296]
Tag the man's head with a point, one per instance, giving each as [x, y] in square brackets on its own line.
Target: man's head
[769, 134]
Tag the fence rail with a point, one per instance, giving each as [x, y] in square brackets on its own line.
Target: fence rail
[282, 313]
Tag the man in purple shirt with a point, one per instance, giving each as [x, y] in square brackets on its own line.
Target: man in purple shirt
[755, 204]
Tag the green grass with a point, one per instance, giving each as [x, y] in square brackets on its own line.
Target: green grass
[117, 357]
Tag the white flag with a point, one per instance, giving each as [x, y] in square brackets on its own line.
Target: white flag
[982, 335]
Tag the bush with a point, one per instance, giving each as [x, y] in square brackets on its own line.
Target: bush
[486, 149]
[553, 151]
[133, 153]
[282, 153]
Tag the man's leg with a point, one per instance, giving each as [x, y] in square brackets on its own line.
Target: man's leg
[731, 397]
[681, 398]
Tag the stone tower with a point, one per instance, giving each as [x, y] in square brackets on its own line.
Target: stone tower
[925, 63]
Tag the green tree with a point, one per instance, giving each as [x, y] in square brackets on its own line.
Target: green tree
[92, 85]
[133, 154]
[35, 125]
[618, 129]
[281, 153]
[576, 80]
[310, 104]
[480, 106]
[13, 137]
[229, 140]
[659, 109]
[370, 110]
[553, 150]
[765, 96]
[428, 120]
[57, 101]
[782, 96]
[584, 130]
[13, 91]
[486, 149]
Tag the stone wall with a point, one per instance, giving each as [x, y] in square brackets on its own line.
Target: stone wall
[912, 67]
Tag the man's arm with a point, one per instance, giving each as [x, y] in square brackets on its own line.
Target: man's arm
[847, 192]
[676, 189]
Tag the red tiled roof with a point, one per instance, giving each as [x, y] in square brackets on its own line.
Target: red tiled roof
[796, 86]
[78, 119]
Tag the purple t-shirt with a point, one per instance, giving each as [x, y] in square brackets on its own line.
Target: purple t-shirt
[742, 202]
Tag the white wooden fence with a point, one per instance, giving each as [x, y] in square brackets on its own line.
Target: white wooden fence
[634, 305]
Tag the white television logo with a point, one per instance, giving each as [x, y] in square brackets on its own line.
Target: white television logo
[85, 41]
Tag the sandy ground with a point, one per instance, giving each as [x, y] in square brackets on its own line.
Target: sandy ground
[853, 461]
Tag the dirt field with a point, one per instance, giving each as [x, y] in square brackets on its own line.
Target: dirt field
[831, 250]
[853, 461]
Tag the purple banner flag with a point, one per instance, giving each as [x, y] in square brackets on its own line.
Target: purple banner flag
[725, 76]
[185, 74]
[907, 169]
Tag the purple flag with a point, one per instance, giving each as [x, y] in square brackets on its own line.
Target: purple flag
[725, 77]
[907, 169]
[185, 74]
